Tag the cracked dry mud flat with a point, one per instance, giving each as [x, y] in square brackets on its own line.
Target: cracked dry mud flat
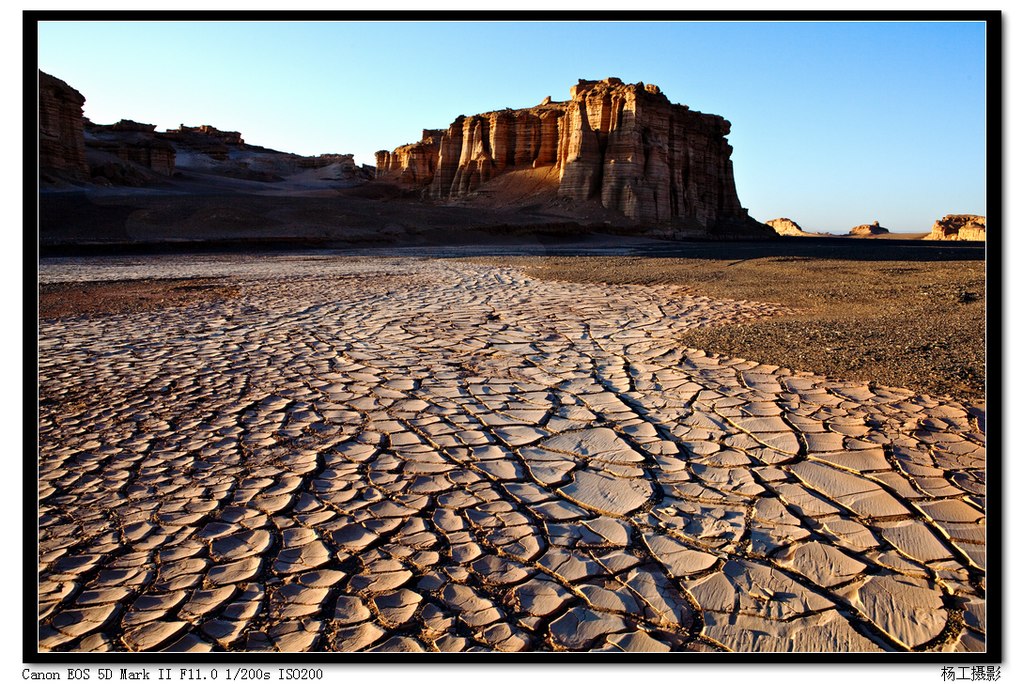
[424, 455]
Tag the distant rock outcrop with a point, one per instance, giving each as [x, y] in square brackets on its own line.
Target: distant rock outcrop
[346, 161]
[624, 146]
[868, 229]
[207, 140]
[61, 138]
[958, 227]
[785, 226]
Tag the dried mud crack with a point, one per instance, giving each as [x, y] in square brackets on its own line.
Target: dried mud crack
[352, 454]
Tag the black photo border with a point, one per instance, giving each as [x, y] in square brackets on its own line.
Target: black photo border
[994, 80]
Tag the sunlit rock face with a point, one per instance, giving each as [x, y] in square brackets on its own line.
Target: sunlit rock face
[413, 163]
[958, 227]
[624, 146]
[868, 229]
[477, 148]
[644, 156]
[785, 226]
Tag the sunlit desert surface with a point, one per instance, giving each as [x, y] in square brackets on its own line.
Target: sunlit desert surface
[319, 453]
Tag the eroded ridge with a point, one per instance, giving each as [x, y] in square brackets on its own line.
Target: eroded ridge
[425, 455]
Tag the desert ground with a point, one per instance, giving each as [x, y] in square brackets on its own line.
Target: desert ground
[905, 321]
[517, 450]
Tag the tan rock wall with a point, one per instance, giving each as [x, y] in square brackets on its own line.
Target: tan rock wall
[972, 232]
[646, 157]
[477, 148]
[958, 227]
[414, 163]
[868, 229]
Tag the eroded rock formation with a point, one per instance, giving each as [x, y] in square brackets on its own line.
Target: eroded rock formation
[868, 229]
[61, 137]
[75, 150]
[413, 163]
[624, 146]
[785, 226]
[477, 148]
[958, 227]
[129, 141]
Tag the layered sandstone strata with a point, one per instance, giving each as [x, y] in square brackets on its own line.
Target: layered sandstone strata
[413, 163]
[61, 137]
[622, 145]
[208, 140]
[129, 153]
[958, 227]
[477, 148]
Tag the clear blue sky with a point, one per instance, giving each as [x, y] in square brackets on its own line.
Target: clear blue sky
[833, 124]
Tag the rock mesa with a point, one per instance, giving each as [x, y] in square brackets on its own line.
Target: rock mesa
[625, 146]
[958, 227]
[868, 229]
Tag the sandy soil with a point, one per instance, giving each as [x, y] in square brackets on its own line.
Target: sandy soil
[411, 454]
[917, 324]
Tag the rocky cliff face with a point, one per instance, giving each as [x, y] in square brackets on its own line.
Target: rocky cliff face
[958, 227]
[61, 137]
[624, 146]
[414, 163]
[71, 148]
[477, 148]
[646, 157]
